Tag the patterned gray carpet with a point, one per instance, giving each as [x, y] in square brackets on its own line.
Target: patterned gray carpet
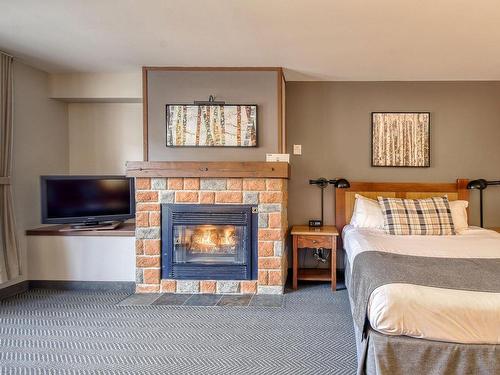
[62, 332]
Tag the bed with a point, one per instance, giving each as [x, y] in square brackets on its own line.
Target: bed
[421, 304]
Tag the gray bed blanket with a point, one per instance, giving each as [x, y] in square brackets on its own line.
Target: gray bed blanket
[372, 269]
[391, 355]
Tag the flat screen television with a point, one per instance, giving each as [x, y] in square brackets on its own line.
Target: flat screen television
[87, 200]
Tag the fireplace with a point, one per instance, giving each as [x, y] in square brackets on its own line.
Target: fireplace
[209, 242]
[223, 246]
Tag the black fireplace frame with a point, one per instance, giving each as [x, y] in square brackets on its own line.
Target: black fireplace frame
[246, 214]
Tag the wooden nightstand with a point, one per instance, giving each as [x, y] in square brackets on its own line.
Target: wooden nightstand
[497, 229]
[313, 238]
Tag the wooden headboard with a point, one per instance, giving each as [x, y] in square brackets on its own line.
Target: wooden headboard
[344, 198]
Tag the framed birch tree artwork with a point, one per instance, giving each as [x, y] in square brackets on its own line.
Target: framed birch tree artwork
[211, 125]
[401, 139]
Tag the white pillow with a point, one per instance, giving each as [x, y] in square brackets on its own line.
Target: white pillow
[367, 213]
[459, 215]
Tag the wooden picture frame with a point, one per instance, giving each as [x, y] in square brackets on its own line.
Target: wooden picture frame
[401, 139]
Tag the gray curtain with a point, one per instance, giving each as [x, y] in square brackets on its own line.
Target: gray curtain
[9, 246]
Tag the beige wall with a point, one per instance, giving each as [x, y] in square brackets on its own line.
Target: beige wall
[174, 87]
[96, 87]
[103, 136]
[330, 119]
[40, 145]
[332, 122]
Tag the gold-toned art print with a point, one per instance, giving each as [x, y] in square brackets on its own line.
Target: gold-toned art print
[211, 125]
[401, 139]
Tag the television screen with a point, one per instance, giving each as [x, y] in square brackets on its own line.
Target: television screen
[70, 199]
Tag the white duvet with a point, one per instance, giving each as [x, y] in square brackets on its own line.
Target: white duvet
[426, 312]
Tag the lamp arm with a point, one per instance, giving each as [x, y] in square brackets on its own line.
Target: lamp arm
[481, 208]
[322, 206]
[481, 184]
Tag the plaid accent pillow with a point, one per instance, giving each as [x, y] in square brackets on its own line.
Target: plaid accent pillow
[431, 216]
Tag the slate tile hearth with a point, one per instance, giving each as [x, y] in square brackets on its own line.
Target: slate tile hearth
[144, 299]
[172, 299]
[243, 300]
[208, 300]
[203, 300]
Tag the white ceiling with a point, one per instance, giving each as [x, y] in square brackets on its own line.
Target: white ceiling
[312, 39]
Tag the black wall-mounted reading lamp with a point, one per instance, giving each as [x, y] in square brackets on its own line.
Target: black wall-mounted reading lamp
[322, 183]
[480, 185]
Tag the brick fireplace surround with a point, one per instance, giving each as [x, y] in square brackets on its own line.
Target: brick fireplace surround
[270, 194]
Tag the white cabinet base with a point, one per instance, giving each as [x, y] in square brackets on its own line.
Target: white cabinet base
[81, 258]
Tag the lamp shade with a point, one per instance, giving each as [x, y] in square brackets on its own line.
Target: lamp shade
[480, 184]
[341, 183]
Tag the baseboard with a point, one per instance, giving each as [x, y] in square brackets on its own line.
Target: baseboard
[102, 286]
[12, 290]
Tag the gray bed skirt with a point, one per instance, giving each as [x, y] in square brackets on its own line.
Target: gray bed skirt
[380, 354]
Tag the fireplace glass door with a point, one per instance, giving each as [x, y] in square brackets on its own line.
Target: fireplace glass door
[210, 244]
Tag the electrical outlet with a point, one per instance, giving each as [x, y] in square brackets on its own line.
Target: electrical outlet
[297, 149]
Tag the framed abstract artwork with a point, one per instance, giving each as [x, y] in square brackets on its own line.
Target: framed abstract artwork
[211, 125]
[401, 139]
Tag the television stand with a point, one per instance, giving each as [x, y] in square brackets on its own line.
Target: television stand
[105, 225]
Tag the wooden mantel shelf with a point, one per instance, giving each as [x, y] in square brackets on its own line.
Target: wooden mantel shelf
[207, 169]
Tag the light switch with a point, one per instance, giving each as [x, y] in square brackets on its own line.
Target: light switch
[297, 149]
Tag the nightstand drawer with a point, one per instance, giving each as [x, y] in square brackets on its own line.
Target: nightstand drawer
[315, 241]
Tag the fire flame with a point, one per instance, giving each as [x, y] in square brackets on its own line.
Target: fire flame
[212, 239]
